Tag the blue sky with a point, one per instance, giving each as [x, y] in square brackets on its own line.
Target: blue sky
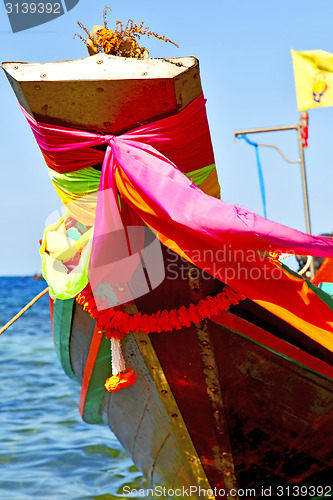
[246, 70]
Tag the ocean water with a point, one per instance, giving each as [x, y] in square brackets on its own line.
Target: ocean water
[46, 450]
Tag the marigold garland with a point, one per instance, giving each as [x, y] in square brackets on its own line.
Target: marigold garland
[116, 323]
[120, 380]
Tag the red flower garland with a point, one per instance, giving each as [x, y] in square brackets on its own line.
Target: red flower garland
[116, 323]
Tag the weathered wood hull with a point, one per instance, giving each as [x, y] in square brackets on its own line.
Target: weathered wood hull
[240, 401]
[228, 404]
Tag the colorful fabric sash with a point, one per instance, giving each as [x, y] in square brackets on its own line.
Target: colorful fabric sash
[141, 165]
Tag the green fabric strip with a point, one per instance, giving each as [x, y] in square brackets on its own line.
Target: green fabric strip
[83, 181]
[199, 176]
[87, 180]
[96, 389]
[62, 324]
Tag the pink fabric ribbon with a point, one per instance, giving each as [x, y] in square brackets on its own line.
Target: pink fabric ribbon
[165, 188]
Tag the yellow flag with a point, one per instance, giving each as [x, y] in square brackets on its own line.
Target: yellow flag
[313, 70]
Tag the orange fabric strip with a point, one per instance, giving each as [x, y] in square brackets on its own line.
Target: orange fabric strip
[211, 185]
[324, 273]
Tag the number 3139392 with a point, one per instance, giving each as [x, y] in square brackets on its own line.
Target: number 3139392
[301, 491]
[33, 8]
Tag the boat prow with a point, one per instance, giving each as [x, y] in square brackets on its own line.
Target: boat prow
[225, 402]
[100, 93]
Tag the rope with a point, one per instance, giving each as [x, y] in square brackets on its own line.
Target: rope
[261, 177]
[306, 266]
[25, 308]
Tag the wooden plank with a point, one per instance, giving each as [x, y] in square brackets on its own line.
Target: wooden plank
[83, 328]
[143, 417]
[105, 93]
[279, 346]
[62, 324]
[278, 413]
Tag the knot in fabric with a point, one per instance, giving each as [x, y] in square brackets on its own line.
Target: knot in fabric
[109, 138]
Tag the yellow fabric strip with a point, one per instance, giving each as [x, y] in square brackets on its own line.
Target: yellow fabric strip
[81, 208]
[56, 249]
